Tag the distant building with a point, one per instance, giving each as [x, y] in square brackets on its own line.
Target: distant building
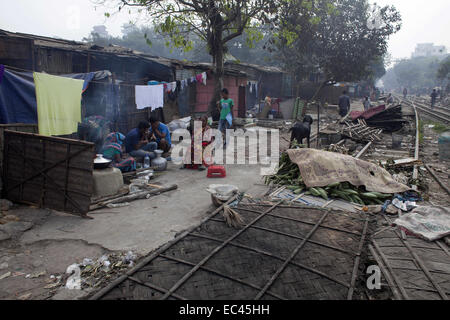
[429, 50]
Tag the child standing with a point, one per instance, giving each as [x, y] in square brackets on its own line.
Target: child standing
[225, 106]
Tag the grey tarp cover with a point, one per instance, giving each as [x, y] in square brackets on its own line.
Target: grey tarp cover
[430, 223]
[321, 168]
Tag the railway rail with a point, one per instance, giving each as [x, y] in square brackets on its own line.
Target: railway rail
[438, 113]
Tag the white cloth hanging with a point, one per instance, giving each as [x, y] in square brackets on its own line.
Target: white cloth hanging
[204, 77]
[149, 96]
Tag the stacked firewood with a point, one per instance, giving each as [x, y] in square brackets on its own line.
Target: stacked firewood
[360, 131]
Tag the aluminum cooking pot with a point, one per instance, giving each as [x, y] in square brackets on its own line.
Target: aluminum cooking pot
[101, 163]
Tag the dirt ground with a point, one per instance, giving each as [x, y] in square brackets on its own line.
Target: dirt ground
[45, 242]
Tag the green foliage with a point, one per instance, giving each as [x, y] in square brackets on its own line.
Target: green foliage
[334, 37]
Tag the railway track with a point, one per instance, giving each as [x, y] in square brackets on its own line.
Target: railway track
[438, 113]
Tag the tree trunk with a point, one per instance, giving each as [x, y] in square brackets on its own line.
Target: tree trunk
[218, 60]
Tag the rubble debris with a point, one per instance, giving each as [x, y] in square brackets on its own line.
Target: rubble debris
[360, 131]
[390, 120]
[96, 273]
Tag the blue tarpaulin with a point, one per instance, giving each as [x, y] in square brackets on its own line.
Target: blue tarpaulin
[18, 96]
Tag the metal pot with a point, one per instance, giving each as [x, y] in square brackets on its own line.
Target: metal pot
[159, 163]
[101, 163]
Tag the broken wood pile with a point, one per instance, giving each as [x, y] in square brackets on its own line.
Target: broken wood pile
[389, 120]
[120, 198]
[360, 131]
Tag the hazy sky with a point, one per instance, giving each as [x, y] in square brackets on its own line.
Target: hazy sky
[423, 21]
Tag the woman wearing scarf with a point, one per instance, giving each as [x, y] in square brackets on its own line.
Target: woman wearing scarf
[112, 149]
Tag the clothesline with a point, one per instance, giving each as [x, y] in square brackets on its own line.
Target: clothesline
[93, 81]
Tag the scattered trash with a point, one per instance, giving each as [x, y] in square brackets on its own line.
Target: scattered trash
[6, 275]
[36, 275]
[74, 281]
[118, 205]
[403, 205]
[129, 258]
[94, 273]
[52, 285]
[25, 296]
[430, 223]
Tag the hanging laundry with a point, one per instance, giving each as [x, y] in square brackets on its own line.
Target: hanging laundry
[58, 104]
[204, 77]
[149, 96]
[199, 77]
[193, 79]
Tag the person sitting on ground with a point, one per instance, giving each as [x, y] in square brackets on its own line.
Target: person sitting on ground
[344, 104]
[137, 143]
[112, 150]
[225, 106]
[366, 103]
[161, 134]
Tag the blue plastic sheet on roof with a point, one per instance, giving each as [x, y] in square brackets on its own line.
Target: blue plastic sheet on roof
[18, 97]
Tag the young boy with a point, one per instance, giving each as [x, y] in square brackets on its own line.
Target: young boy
[225, 106]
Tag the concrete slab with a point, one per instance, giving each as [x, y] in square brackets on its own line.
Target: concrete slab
[147, 224]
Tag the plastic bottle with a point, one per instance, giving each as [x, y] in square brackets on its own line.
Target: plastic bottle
[147, 161]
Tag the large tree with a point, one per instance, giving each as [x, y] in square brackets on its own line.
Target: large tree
[343, 39]
[214, 21]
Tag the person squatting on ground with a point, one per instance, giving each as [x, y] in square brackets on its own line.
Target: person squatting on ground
[161, 133]
[137, 142]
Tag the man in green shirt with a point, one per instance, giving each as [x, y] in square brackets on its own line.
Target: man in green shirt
[225, 106]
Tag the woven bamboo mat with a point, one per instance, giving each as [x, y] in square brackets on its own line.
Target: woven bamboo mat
[282, 252]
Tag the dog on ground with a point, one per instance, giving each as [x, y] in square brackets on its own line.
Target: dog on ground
[301, 131]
